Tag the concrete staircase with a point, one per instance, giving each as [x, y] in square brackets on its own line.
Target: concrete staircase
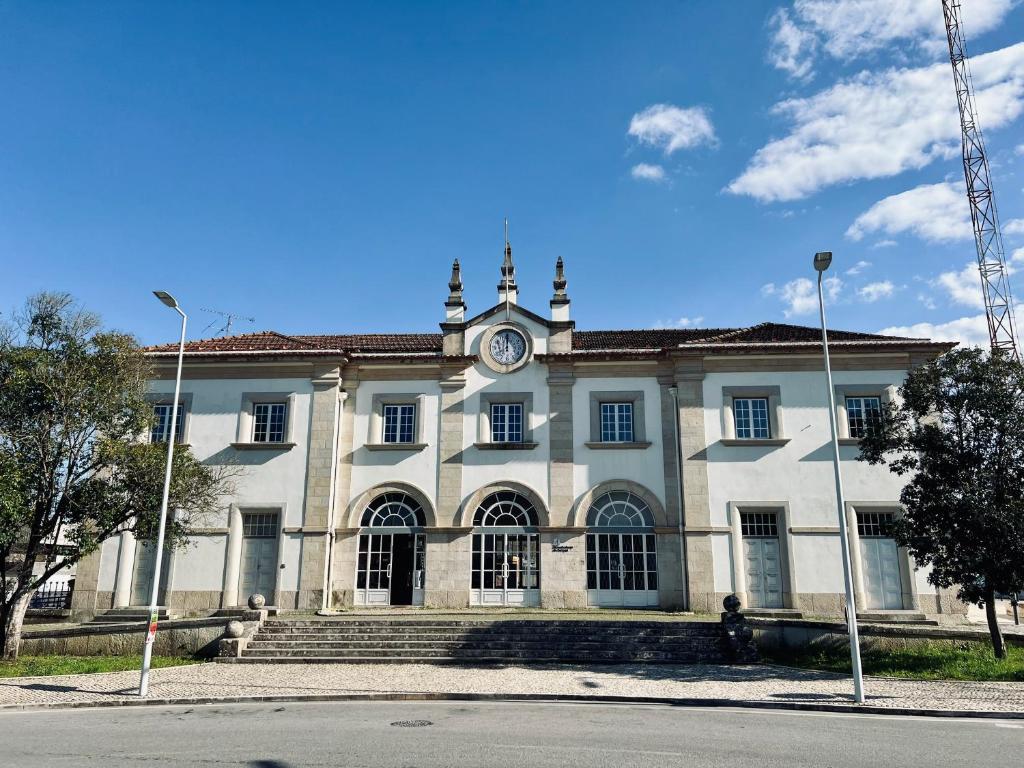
[383, 640]
[132, 615]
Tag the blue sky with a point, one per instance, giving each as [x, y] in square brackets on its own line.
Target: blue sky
[318, 165]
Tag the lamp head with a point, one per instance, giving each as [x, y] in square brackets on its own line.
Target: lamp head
[822, 260]
[166, 298]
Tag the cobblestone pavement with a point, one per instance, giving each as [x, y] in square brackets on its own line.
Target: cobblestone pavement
[755, 683]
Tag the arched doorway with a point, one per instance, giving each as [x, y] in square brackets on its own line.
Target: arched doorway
[506, 551]
[622, 560]
[391, 566]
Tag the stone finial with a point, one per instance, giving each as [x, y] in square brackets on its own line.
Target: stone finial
[257, 601]
[560, 301]
[455, 287]
[234, 629]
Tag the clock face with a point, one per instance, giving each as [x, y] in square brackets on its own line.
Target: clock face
[508, 347]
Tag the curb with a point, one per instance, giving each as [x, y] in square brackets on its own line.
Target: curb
[797, 706]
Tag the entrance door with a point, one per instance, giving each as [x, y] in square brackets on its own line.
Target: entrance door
[622, 569]
[390, 569]
[882, 583]
[258, 571]
[764, 576]
[506, 569]
[142, 576]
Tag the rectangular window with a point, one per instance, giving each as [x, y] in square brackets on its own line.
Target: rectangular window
[399, 423]
[162, 423]
[268, 420]
[759, 524]
[751, 414]
[874, 523]
[506, 422]
[259, 525]
[616, 422]
[863, 415]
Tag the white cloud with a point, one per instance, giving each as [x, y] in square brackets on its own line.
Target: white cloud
[878, 124]
[963, 287]
[933, 212]
[972, 331]
[849, 29]
[859, 267]
[928, 301]
[648, 172]
[872, 292]
[1014, 227]
[682, 322]
[673, 128]
[801, 296]
[884, 244]
[1019, 149]
[792, 48]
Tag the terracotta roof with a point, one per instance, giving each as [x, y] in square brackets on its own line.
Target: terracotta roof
[639, 340]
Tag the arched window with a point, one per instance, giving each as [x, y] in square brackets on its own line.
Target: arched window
[505, 508]
[620, 509]
[394, 510]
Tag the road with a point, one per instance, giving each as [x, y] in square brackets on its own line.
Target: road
[491, 733]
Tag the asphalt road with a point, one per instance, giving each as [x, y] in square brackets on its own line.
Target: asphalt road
[494, 734]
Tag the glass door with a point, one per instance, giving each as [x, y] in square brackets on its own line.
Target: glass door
[373, 569]
[622, 569]
[506, 569]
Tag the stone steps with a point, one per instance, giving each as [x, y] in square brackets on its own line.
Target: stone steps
[520, 641]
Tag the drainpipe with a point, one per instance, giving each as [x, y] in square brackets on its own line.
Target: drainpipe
[325, 602]
[684, 560]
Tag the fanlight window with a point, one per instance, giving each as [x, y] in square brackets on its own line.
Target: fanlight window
[394, 510]
[620, 509]
[505, 508]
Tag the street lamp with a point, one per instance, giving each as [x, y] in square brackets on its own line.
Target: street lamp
[822, 261]
[147, 652]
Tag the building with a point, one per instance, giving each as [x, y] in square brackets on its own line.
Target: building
[514, 460]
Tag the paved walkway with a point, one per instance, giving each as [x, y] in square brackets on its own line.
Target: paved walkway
[756, 683]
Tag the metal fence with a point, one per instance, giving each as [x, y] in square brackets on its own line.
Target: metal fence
[53, 595]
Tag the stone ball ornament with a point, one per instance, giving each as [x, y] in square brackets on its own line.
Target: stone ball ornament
[257, 601]
[731, 604]
[234, 629]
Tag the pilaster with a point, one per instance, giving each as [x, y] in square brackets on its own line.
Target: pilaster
[320, 459]
[560, 426]
[450, 442]
[125, 566]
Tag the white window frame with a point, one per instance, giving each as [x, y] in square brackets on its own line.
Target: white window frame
[886, 393]
[502, 413]
[246, 433]
[376, 434]
[185, 418]
[266, 411]
[776, 424]
[404, 423]
[862, 400]
[613, 430]
[744, 411]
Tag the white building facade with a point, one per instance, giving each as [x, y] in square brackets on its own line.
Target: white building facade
[512, 460]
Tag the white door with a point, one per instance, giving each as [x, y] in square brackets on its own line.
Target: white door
[880, 562]
[622, 570]
[259, 568]
[506, 569]
[764, 572]
[142, 576]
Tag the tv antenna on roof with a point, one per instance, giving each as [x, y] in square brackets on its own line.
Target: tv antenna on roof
[229, 318]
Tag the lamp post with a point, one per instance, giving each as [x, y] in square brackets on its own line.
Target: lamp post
[822, 261]
[147, 652]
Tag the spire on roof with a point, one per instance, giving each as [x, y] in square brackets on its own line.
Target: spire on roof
[455, 307]
[508, 291]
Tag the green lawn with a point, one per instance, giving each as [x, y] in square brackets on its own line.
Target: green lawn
[969, 661]
[28, 666]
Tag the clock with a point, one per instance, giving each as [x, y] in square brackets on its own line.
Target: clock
[507, 346]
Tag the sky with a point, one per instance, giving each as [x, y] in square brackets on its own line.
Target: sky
[318, 166]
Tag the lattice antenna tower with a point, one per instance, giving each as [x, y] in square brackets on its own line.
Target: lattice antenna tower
[988, 240]
[228, 319]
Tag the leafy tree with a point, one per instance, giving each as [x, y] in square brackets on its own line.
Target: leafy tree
[73, 469]
[958, 435]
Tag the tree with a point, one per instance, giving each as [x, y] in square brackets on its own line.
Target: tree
[74, 469]
[957, 434]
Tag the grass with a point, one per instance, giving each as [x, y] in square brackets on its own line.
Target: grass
[963, 661]
[31, 666]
